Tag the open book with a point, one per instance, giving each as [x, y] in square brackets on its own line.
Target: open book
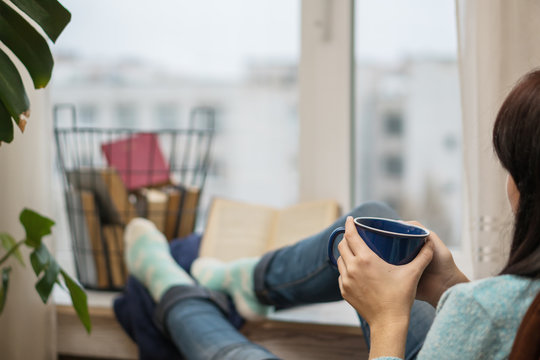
[236, 229]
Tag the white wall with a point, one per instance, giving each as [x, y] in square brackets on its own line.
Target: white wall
[26, 325]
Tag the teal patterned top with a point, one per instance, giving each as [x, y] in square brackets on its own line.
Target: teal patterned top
[478, 320]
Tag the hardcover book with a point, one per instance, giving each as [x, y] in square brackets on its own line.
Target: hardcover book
[139, 161]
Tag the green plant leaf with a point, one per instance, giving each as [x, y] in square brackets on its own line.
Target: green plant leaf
[6, 125]
[79, 300]
[8, 242]
[40, 258]
[36, 226]
[12, 93]
[45, 285]
[27, 44]
[4, 289]
[59, 283]
[49, 14]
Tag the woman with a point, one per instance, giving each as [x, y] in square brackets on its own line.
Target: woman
[477, 319]
[473, 319]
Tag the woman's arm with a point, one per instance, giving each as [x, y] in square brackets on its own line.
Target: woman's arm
[381, 293]
[388, 339]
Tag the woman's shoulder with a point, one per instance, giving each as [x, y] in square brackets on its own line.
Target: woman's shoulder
[498, 286]
[496, 294]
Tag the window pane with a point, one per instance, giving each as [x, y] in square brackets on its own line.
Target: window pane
[88, 114]
[167, 115]
[408, 116]
[145, 65]
[239, 57]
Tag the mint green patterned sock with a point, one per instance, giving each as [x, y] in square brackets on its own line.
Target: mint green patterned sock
[149, 260]
[235, 278]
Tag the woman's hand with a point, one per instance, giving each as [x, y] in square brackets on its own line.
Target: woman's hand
[441, 274]
[382, 293]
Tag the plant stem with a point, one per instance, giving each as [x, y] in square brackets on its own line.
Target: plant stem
[11, 251]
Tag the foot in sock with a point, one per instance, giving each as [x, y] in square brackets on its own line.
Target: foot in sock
[235, 278]
[149, 260]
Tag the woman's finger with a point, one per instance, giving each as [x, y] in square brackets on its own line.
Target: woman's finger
[345, 250]
[422, 260]
[353, 239]
[342, 266]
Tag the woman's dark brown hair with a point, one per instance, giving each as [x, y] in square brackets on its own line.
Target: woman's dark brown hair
[516, 139]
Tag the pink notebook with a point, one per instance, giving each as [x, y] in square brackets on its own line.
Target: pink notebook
[139, 160]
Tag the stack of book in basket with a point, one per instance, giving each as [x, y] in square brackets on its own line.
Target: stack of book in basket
[136, 182]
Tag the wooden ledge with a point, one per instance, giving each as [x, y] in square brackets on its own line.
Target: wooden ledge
[292, 340]
[288, 340]
[107, 340]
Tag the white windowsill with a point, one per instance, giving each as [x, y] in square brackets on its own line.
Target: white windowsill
[335, 313]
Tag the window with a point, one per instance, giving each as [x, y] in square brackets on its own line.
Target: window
[125, 115]
[408, 111]
[393, 124]
[166, 116]
[393, 166]
[238, 57]
[88, 114]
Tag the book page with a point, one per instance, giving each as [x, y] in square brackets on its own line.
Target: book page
[235, 230]
[300, 221]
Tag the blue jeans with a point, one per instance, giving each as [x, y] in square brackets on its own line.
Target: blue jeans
[294, 275]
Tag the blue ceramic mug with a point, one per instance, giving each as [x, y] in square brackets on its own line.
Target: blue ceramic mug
[394, 241]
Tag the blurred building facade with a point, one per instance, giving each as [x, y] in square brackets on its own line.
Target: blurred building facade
[408, 148]
[254, 154]
[407, 128]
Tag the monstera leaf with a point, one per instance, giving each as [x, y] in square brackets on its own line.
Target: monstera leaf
[25, 42]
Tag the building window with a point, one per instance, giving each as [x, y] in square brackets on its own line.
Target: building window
[408, 115]
[450, 142]
[88, 114]
[125, 115]
[393, 124]
[167, 115]
[393, 166]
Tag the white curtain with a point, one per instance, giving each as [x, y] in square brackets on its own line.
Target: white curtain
[27, 326]
[499, 41]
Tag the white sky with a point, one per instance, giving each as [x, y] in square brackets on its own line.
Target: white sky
[218, 37]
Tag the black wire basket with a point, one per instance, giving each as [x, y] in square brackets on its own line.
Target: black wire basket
[112, 175]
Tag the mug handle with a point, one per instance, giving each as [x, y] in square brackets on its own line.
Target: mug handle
[333, 236]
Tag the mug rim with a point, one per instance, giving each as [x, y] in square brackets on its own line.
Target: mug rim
[391, 233]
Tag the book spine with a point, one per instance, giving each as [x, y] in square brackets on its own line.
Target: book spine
[94, 230]
[188, 212]
[113, 235]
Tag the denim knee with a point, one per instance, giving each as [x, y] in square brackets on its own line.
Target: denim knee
[244, 351]
[374, 209]
[179, 293]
